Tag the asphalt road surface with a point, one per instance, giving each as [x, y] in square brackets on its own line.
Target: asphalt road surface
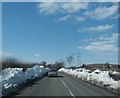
[63, 85]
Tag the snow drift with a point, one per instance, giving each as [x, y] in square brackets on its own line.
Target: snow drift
[10, 78]
[97, 77]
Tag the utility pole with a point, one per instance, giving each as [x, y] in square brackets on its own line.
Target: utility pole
[78, 59]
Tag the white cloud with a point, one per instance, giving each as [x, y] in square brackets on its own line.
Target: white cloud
[62, 7]
[101, 28]
[101, 46]
[73, 7]
[37, 54]
[79, 18]
[96, 28]
[88, 40]
[65, 17]
[80, 47]
[116, 16]
[113, 38]
[48, 8]
[60, 0]
[101, 13]
[106, 44]
[77, 0]
[73, 17]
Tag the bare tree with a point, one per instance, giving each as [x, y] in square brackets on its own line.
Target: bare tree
[59, 64]
[70, 60]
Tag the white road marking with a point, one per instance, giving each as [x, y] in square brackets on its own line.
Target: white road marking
[67, 88]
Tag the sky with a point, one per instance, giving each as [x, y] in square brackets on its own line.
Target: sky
[51, 31]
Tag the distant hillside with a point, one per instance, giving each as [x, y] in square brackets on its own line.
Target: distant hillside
[101, 65]
[106, 66]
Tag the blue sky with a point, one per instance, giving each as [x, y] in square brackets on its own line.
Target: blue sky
[35, 32]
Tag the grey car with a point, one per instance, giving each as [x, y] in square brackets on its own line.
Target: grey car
[52, 73]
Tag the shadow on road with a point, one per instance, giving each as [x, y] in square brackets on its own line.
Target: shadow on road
[30, 83]
[56, 76]
[26, 85]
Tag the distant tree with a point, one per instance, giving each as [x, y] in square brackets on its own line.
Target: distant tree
[11, 62]
[118, 66]
[83, 66]
[43, 63]
[49, 65]
[70, 60]
[107, 65]
[58, 64]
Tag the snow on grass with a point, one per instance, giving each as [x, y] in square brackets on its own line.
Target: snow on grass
[10, 78]
[97, 77]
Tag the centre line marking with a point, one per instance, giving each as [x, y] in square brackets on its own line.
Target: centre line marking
[67, 88]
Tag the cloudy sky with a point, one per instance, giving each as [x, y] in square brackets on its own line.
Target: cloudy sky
[52, 31]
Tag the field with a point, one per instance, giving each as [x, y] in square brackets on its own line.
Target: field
[104, 67]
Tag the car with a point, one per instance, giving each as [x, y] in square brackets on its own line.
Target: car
[53, 73]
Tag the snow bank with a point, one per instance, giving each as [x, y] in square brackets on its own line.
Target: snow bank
[36, 71]
[10, 78]
[97, 77]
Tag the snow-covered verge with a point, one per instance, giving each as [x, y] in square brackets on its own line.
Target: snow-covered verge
[11, 78]
[97, 77]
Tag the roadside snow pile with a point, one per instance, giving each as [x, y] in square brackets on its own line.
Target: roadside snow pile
[96, 77]
[36, 71]
[10, 78]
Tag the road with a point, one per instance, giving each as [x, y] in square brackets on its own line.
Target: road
[63, 85]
